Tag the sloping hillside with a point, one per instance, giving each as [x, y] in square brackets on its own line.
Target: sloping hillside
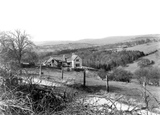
[154, 37]
[155, 57]
[146, 48]
[100, 44]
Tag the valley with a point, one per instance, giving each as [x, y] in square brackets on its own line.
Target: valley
[61, 74]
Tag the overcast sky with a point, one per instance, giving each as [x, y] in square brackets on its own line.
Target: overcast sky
[80, 19]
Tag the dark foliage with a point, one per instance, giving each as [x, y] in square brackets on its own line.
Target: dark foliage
[108, 59]
[27, 65]
[102, 73]
[145, 62]
[120, 75]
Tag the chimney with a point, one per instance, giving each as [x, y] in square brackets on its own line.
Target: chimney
[73, 54]
[64, 58]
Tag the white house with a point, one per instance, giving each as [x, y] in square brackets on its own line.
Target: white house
[74, 61]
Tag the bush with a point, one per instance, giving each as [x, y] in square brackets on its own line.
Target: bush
[145, 62]
[27, 98]
[31, 98]
[151, 74]
[120, 74]
[102, 73]
[141, 73]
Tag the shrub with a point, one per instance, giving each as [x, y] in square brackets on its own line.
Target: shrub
[27, 98]
[102, 73]
[145, 62]
[120, 74]
[141, 73]
[151, 74]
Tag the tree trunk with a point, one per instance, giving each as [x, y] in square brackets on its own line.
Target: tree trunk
[19, 67]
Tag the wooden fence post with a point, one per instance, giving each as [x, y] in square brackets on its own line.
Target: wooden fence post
[107, 83]
[40, 70]
[145, 93]
[62, 72]
[84, 78]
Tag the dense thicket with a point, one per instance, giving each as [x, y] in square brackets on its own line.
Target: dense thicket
[108, 59]
[120, 74]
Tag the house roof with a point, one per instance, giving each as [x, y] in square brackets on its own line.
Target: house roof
[74, 57]
[55, 58]
[69, 59]
[50, 59]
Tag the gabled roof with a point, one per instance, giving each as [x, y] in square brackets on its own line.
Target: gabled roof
[55, 58]
[74, 57]
[69, 59]
[50, 59]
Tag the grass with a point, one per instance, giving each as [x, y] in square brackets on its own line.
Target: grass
[155, 57]
[146, 48]
[131, 92]
[91, 80]
[97, 86]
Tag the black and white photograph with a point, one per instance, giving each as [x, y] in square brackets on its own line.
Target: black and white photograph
[79, 57]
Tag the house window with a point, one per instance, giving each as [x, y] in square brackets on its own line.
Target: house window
[69, 64]
[77, 59]
[77, 65]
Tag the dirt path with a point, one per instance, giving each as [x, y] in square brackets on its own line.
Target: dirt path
[99, 101]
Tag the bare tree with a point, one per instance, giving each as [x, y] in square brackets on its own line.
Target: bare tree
[15, 45]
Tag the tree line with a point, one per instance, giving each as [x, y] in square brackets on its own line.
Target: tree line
[108, 59]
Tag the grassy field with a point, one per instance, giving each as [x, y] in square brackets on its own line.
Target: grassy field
[146, 48]
[94, 85]
[133, 66]
[155, 57]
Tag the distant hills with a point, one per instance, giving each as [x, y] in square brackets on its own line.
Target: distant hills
[155, 37]
[44, 43]
[59, 47]
[52, 46]
[102, 41]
